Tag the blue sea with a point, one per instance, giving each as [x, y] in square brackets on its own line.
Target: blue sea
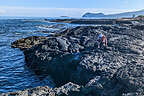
[14, 75]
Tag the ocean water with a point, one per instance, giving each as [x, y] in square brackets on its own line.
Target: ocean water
[14, 75]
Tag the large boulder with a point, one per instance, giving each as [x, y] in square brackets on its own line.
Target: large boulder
[53, 57]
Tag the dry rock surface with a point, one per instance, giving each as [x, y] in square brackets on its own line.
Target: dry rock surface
[79, 68]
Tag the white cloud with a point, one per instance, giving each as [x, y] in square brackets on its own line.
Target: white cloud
[54, 12]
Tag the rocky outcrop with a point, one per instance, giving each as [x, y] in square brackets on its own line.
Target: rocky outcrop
[73, 56]
[28, 42]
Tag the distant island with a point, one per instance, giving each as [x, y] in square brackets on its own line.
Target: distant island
[119, 15]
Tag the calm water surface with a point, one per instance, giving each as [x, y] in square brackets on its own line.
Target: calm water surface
[14, 75]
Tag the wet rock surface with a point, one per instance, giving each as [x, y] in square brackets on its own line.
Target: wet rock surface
[73, 56]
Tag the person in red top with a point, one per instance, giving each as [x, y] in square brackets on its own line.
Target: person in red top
[101, 40]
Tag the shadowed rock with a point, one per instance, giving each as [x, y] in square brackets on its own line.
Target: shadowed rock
[73, 56]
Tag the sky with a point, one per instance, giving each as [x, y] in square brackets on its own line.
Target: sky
[71, 8]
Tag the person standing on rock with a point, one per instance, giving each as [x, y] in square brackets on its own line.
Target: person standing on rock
[102, 40]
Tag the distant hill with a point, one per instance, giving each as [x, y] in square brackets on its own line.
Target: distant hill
[120, 15]
[93, 15]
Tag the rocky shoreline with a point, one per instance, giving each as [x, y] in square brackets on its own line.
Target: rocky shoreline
[78, 68]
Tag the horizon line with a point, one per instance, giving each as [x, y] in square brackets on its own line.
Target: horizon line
[56, 12]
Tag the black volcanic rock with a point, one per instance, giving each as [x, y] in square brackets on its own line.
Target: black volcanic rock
[28, 42]
[131, 77]
[73, 56]
[69, 89]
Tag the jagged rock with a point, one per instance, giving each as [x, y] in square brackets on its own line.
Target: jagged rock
[38, 91]
[28, 42]
[93, 87]
[139, 27]
[69, 89]
[73, 56]
[63, 43]
[131, 77]
[51, 57]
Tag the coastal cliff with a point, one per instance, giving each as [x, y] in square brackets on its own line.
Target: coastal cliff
[79, 68]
